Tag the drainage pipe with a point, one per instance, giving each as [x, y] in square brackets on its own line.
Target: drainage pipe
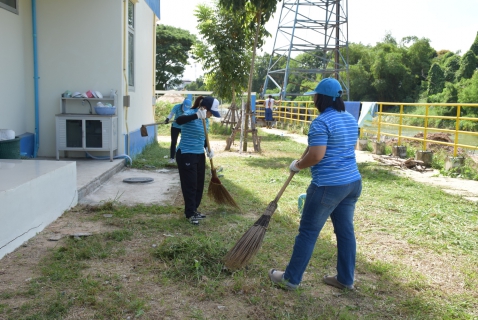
[120, 156]
[125, 32]
[35, 79]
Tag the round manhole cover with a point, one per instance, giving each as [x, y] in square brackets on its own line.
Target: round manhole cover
[138, 180]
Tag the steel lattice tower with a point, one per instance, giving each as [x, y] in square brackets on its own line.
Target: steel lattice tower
[319, 31]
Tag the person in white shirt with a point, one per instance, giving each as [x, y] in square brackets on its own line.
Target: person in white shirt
[268, 114]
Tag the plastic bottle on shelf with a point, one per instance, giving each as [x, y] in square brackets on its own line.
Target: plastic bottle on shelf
[113, 94]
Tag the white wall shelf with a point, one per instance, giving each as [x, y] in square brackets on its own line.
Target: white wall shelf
[74, 105]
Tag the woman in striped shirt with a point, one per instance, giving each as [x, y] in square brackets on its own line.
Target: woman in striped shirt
[190, 154]
[335, 188]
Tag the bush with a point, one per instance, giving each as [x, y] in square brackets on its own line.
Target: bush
[162, 110]
[219, 129]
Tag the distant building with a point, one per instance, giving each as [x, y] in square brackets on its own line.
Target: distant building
[183, 84]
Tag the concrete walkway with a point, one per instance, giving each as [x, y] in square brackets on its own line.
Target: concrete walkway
[162, 190]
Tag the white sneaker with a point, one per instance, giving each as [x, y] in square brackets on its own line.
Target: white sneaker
[277, 277]
[171, 160]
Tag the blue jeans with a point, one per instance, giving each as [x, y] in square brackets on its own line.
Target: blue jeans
[338, 202]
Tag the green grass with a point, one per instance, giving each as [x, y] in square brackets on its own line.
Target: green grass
[152, 264]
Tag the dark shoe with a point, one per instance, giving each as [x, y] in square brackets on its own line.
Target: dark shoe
[277, 277]
[332, 281]
[199, 215]
[193, 220]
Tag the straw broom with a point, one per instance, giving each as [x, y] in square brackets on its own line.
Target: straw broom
[250, 243]
[216, 190]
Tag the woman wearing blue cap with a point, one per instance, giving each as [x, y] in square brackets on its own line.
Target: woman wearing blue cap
[177, 111]
[335, 188]
[190, 154]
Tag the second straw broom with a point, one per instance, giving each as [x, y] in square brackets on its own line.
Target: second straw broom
[216, 190]
[250, 243]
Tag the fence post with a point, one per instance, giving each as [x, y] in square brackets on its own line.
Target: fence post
[425, 126]
[379, 121]
[457, 127]
[400, 126]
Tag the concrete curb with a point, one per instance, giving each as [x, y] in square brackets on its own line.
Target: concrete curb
[98, 181]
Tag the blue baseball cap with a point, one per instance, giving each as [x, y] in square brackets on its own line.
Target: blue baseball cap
[186, 104]
[328, 87]
[211, 104]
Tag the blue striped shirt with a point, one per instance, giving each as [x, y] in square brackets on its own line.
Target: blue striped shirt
[192, 135]
[176, 112]
[339, 132]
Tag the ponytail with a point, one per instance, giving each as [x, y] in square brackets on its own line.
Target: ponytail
[197, 102]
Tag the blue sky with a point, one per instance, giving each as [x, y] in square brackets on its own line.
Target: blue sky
[450, 25]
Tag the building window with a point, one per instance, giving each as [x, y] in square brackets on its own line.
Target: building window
[130, 44]
[10, 5]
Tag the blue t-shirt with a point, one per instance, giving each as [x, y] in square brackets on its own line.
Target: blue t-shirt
[339, 132]
[192, 135]
[176, 112]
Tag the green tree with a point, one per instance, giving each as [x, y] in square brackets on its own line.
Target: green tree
[469, 94]
[467, 66]
[436, 79]
[392, 80]
[260, 72]
[172, 53]
[443, 55]
[448, 95]
[389, 39]
[361, 58]
[254, 14]
[300, 82]
[197, 85]
[451, 65]
[419, 58]
[359, 53]
[361, 88]
[469, 91]
[223, 51]
[474, 46]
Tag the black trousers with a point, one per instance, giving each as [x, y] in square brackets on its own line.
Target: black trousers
[192, 169]
[174, 140]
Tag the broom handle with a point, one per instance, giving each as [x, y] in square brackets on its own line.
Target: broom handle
[207, 141]
[153, 124]
[286, 183]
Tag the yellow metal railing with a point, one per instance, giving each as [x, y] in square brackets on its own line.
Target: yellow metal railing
[295, 112]
[303, 112]
[385, 119]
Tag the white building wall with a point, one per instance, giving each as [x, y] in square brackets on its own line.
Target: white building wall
[141, 95]
[15, 59]
[79, 49]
